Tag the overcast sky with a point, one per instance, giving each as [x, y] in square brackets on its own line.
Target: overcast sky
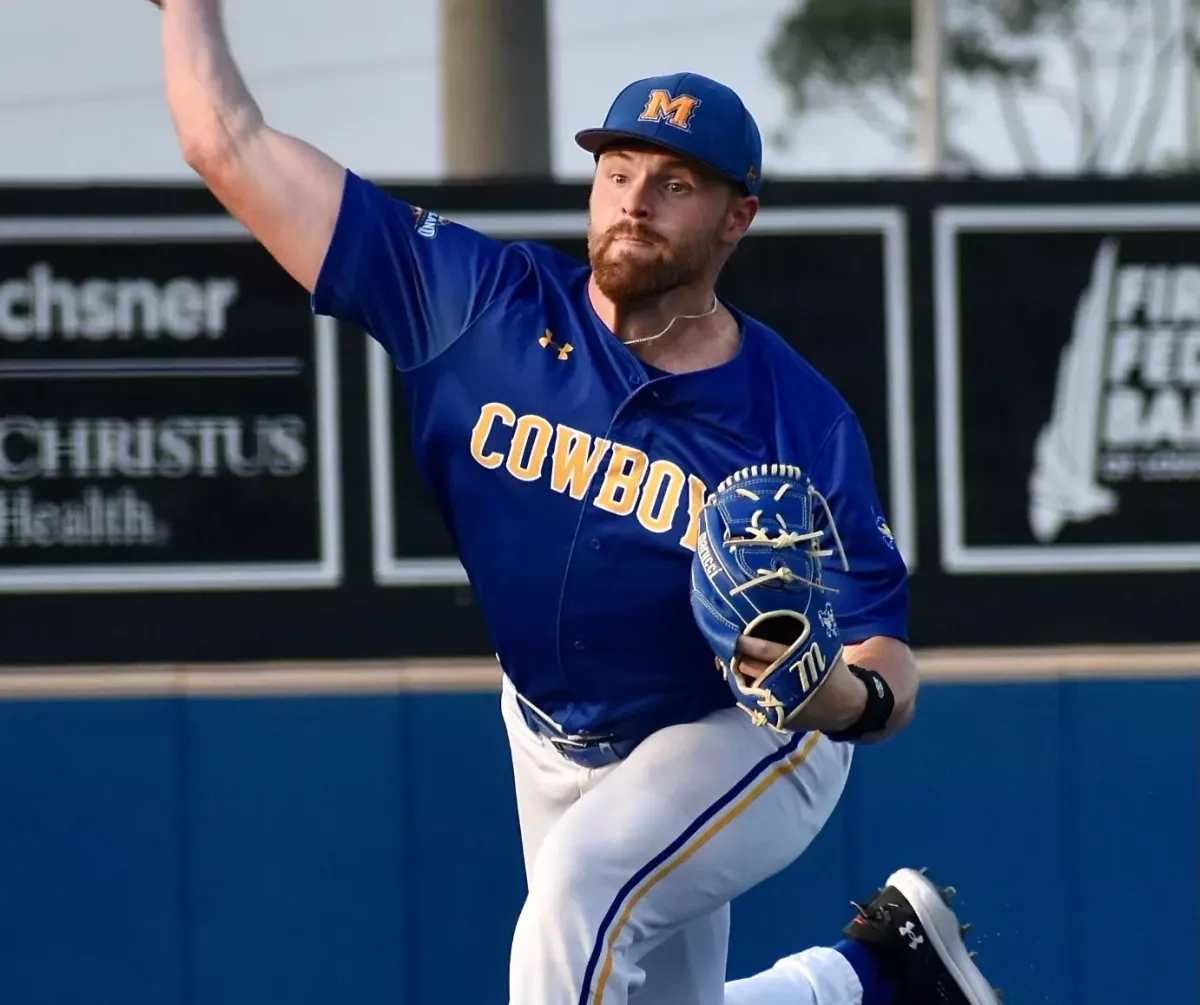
[81, 97]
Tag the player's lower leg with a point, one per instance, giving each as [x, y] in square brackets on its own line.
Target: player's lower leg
[904, 947]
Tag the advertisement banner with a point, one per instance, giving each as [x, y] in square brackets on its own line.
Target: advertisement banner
[168, 411]
[1068, 374]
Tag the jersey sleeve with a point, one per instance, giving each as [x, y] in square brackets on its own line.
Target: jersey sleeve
[411, 279]
[872, 597]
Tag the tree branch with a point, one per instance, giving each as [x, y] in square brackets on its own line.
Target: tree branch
[1128, 77]
[1018, 128]
[877, 119]
[1191, 85]
[1160, 82]
[961, 157]
[1086, 103]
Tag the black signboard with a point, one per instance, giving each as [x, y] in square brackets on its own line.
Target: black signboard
[168, 411]
[193, 467]
[834, 282]
[1068, 356]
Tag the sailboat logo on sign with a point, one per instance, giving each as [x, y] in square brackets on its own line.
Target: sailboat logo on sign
[1126, 403]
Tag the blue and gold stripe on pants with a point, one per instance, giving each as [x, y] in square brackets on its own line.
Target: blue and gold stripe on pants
[719, 815]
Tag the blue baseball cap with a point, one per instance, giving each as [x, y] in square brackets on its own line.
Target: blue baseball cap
[691, 115]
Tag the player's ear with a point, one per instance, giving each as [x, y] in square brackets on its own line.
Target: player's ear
[742, 210]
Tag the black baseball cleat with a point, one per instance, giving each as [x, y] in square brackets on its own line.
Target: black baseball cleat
[918, 942]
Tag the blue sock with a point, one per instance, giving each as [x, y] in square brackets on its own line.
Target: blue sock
[876, 990]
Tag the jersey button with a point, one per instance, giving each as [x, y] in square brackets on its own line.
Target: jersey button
[579, 646]
[595, 543]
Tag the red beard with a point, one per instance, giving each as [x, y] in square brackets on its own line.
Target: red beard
[628, 275]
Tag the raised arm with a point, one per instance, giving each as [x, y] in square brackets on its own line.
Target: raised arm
[412, 279]
[283, 190]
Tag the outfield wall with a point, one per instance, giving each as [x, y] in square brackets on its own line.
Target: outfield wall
[313, 834]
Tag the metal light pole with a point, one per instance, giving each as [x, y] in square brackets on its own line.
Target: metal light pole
[928, 64]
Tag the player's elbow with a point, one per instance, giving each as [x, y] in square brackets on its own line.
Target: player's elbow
[210, 152]
[905, 711]
[904, 679]
[205, 159]
[223, 166]
[214, 147]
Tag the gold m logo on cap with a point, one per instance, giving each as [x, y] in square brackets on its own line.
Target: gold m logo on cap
[662, 107]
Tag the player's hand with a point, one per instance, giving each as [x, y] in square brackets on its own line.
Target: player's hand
[835, 707]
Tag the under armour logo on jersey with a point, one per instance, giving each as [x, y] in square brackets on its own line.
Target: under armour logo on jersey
[909, 931]
[547, 340]
[661, 106]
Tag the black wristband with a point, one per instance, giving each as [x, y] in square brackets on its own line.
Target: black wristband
[880, 705]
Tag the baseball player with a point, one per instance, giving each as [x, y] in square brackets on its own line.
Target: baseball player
[572, 421]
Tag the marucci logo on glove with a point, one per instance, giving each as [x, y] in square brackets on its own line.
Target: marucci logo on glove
[1070, 394]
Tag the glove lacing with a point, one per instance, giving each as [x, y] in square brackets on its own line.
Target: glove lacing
[757, 534]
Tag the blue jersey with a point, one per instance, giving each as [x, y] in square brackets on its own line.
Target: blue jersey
[571, 475]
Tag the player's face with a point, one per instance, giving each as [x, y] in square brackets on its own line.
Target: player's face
[657, 223]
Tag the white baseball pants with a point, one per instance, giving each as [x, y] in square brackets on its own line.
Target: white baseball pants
[631, 868]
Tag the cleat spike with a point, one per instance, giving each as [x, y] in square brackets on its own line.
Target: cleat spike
[948, 893]
[972, 954]
[963, 929]
[924, 869]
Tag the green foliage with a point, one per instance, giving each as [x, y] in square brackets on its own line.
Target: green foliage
[828, 46]
[859, 54]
